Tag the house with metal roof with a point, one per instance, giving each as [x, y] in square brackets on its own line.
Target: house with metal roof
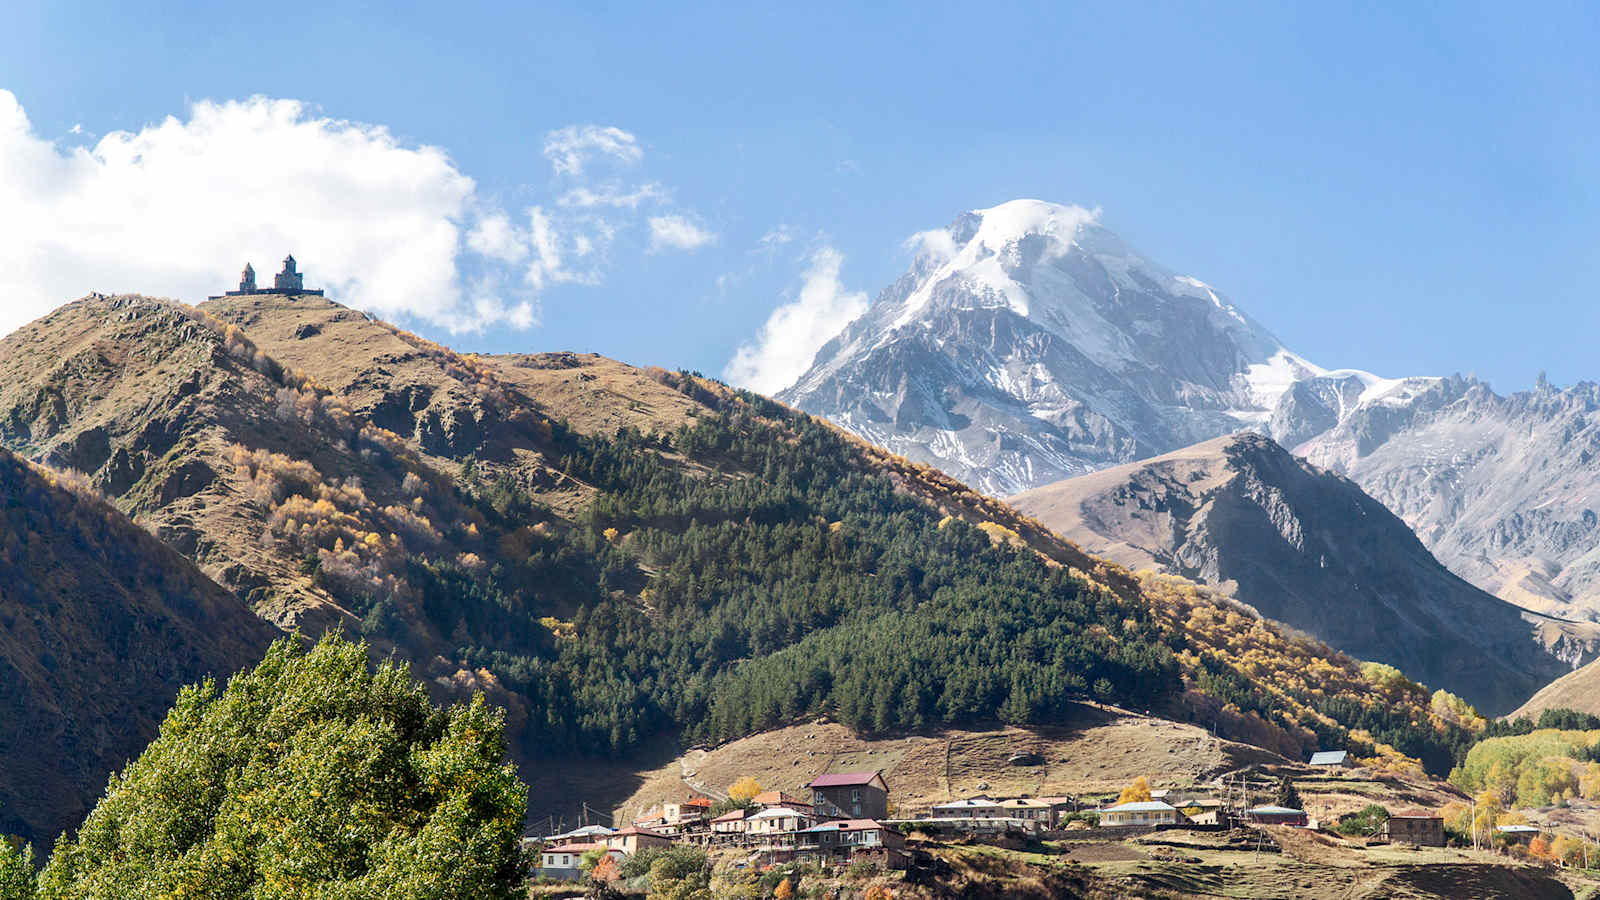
[850, 795]
[1142, 812]
[968, 808]
[1330, 758]
[1275, 815]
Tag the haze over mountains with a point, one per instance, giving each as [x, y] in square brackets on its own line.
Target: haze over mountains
[1027, 344]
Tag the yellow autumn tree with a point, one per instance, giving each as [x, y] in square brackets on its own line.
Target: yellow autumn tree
[1567, 849]
[744, 790]
[784, 890]
[1137, 792]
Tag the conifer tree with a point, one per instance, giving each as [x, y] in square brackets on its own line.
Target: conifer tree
[1287, 796]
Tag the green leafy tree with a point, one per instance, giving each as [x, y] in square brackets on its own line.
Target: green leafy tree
[16, 870]
[1366, 822]
[309, 776]
[680, 874]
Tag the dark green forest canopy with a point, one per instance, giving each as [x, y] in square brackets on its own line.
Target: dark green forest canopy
[791, 579]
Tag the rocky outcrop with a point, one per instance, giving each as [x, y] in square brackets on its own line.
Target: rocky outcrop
[1310, 549]
[1503, 490]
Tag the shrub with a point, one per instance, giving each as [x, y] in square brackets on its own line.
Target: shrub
[1363, 823]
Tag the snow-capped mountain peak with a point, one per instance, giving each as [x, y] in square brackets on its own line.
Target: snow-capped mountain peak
[1027, 342]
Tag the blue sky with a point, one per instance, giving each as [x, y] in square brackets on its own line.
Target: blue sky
[1409, 191]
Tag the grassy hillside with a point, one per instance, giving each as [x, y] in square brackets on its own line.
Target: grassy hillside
[620, 554]
[100, 625]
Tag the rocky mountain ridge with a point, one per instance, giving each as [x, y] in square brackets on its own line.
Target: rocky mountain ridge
[1503, 489]
[1308, 548]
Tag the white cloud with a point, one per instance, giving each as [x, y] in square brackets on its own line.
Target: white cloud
[937, 245]
[571, 148]
[677, 233]
[614, 195]
[775, 238]
[786, 345]
[177, 207]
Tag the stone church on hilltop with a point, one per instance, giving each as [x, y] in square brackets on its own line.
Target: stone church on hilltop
[290, 281]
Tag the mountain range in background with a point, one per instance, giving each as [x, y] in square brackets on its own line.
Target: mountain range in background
[1307, 548]
[1027, 344]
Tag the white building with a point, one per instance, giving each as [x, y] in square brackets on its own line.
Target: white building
[1144, 812]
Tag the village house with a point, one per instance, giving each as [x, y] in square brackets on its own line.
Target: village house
[695, 809]
[1275, 815]
[1060, 808]
[851, 841]
[1035, 812]
[1143, 812]
[1200, 810]
[730, 823]
[777, 820]
[769, 799]
[850, 795]
[969, 808]
[674, 819]
[633, 839]
[565, 861]
[585, 833]
[1414, 826]
[1332, 758]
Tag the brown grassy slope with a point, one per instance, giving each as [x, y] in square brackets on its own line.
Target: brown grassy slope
[100, 625]
[1105, 751]
[449, 406]
[1579, 690]
[149, 401]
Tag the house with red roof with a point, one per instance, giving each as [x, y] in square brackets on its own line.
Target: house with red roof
[850, 795]
[769, 799]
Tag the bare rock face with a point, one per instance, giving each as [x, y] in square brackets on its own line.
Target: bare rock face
[1504, 490]
[1309, 548]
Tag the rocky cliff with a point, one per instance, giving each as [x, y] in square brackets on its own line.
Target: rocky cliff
[1309, 548]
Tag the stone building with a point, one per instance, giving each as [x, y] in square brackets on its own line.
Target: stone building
[290, 281]
[1415, 826]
